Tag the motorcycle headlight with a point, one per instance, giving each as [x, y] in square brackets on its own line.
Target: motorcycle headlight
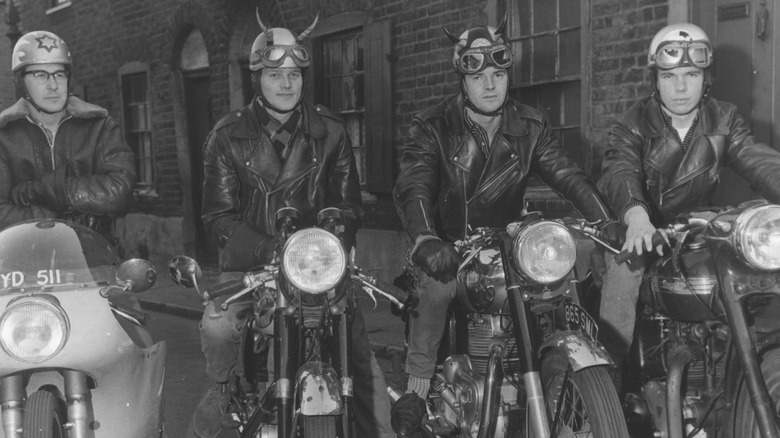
[33, 329]
[545, 252]
[314, 260]
[758, 237]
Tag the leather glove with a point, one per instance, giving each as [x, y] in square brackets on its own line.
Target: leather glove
[47, 192]
[264, 251]
[438, 259]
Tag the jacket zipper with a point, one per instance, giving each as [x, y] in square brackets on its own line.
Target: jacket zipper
[53, 136]
[681, 183]
[490, 183]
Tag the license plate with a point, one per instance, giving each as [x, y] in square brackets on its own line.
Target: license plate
[578, 318]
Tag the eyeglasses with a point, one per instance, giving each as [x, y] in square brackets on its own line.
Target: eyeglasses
[475, 60]
[274, 56]
[42, 77]
[680, 54]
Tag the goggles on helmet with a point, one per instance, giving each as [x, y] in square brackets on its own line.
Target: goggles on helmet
[673, 54]
[274, 56]
[475, 60]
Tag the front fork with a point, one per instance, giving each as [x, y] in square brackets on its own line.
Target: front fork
[77, 397]
[525, 335]
[746, 352]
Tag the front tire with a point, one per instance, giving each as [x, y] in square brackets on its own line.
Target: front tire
[44, 416]
[744, 420]
[589, 405]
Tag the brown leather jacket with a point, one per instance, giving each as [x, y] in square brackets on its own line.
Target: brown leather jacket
[93, 168]
[245, 182]
[447, 184]
[644, 163]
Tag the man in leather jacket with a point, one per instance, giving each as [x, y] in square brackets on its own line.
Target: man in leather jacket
[664, 157]
[60, 157]
[278, 151]
[468, 165]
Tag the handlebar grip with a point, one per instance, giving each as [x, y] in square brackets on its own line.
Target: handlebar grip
[623, 256]
[226, 288]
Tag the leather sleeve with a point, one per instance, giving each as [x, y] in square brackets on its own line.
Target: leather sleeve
[622, 170]
[566, 177]
[758, 163]
[108, 189]
[418, 182]
[343, 191]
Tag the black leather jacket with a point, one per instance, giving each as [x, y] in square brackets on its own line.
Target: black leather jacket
[245, 182]
[446, 183]
[645, 164]
[93, 168]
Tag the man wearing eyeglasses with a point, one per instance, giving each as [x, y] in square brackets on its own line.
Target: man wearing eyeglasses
[278, 151]
[468, 165]
[60, 157]
[664, 157]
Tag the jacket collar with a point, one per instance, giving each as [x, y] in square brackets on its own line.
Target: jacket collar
[76, 108]
[650, 118]
[248, 126]
[513, 114]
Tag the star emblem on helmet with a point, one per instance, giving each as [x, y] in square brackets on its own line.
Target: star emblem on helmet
[46, 42]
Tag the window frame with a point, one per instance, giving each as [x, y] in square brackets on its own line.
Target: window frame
[143, 188]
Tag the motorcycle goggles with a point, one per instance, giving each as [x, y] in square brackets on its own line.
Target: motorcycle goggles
[673, 54]
[274, 56]
[473, 61]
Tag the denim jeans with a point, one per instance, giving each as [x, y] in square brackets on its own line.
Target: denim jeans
[619, 295]
[221, 333]
[426, 324]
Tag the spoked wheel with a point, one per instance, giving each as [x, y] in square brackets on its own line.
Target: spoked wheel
[582, 403]
[44, 416]
[744, 419]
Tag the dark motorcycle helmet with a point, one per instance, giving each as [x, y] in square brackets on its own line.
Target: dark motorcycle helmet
[476, 49]
[38, 48]
[278, 48]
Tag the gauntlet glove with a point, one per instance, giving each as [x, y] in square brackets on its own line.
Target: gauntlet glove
[438, 259]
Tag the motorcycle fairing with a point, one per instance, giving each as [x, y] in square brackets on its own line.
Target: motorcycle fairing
[581, 352]
[127, 399]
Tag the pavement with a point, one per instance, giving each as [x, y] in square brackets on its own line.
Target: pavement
[385, 330]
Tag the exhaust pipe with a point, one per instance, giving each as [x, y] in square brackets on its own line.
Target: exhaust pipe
[491, 396]
[678, 358]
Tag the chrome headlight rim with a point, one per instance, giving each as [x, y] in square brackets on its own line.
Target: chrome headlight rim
[297, 244]
[743, 226]
[522, 239]
[60, 317]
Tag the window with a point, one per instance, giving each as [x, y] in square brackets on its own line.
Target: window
[137, 120]
[352, 77]
[547, 73]
[343, 89]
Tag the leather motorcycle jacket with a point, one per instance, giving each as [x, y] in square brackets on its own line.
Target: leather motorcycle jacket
[646, 165]
[446, 183]
[245, 181]
[89, 169]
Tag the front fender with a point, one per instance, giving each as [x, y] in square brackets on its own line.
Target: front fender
[581, 351]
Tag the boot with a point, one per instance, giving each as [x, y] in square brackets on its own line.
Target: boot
[209, 416]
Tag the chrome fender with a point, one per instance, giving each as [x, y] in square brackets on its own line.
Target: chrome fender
[581, 351]
[319, 389]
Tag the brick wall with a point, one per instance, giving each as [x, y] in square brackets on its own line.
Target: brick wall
[105, 34]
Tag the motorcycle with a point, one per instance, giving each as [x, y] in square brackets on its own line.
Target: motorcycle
[305, 301]
[522, 356]
[76, 360]
[707, 339]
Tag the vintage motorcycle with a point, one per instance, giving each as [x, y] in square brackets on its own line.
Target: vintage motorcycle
[523, 356]
[75, 360]
[305, 302]
[707, 340]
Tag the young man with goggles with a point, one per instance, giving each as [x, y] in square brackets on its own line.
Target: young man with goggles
[278, 151]
[663, 157]
[468, 165]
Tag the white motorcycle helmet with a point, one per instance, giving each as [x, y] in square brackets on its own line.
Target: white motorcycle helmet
[36, 48]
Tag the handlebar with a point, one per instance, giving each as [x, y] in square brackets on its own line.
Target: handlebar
[402, 299]
[227, 288]
[623, 256]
